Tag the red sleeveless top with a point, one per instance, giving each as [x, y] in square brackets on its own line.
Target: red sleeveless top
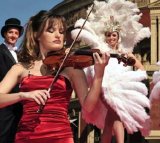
[53, 122]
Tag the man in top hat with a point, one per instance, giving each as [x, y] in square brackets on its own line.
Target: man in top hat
[9, 116]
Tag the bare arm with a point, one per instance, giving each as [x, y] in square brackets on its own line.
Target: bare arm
[138, 64]
[10, 80]
[89, 98]
[6, 99]
[39, 96]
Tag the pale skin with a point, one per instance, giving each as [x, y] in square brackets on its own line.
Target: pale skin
[113, 122]
[11, 36]
[52, 40]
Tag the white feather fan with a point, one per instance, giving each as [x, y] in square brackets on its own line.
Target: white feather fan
[122, 89]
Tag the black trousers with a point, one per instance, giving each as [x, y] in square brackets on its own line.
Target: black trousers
[9, 119]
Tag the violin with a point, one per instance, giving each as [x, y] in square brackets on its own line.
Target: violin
[81, 58]
[60, 59]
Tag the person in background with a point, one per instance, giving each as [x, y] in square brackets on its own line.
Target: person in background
[113, 121]
[45, 32]
[119, 105]
[124, 96]
[9, 116]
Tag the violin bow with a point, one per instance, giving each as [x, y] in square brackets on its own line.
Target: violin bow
[41, 107]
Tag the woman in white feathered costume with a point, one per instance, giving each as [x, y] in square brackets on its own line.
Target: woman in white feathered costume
[113, 26]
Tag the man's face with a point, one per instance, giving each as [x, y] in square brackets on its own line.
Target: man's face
[11, 36]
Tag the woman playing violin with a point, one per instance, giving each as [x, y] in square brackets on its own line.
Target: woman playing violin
[45, 32]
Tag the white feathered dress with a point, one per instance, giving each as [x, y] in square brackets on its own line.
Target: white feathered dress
[123, 90]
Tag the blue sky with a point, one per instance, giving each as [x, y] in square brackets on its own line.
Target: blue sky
[23, 9]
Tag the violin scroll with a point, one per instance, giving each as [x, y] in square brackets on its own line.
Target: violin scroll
[128, 61]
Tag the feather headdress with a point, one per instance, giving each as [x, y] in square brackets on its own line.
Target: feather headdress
[126, 17]
[112, 25]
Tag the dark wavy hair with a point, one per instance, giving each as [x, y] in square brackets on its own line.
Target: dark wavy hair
[29, 48]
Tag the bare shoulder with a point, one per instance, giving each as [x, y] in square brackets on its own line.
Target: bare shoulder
[17, 66]
[18, 70]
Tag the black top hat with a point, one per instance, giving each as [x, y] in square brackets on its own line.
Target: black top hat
[12, 22]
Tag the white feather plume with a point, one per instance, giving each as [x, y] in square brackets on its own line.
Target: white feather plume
[122, 89]
[155, 92]
[156, 77]
[126, 13]
[88, 36]
[126, 94]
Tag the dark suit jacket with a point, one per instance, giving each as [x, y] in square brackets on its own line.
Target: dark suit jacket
[9, 116]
